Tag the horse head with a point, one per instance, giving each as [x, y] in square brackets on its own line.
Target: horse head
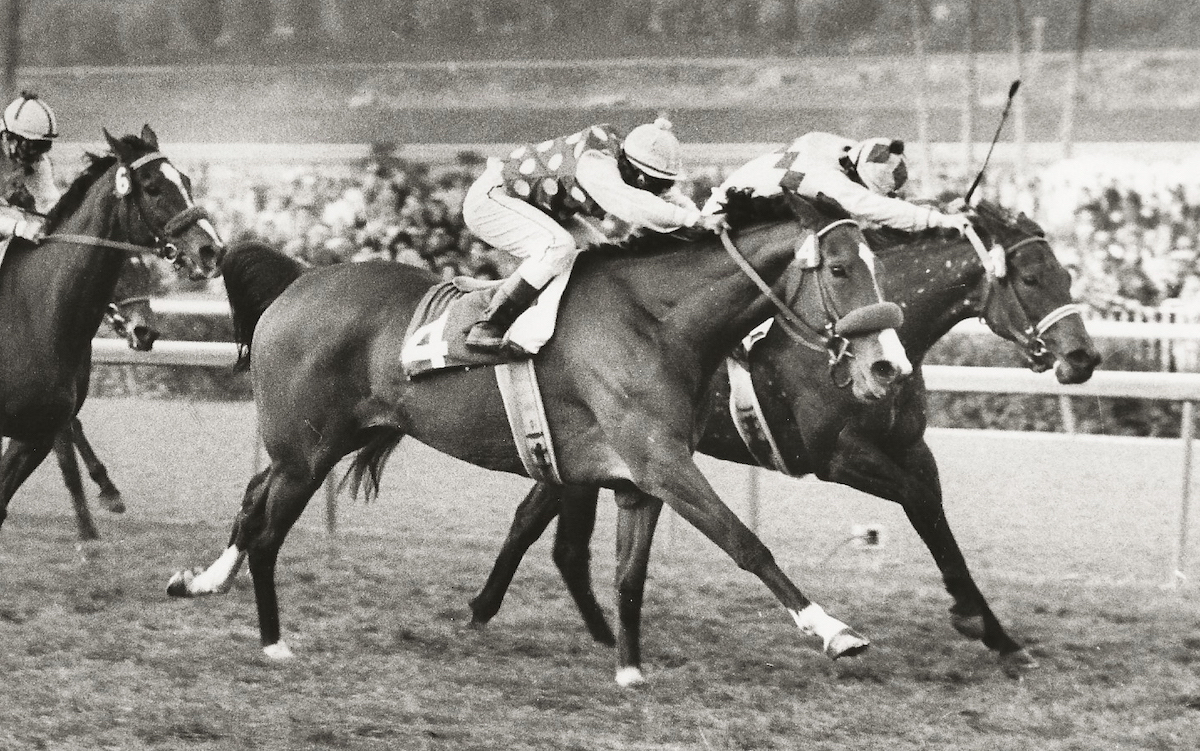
[159, 210]
[831, 299]
[1027, 297]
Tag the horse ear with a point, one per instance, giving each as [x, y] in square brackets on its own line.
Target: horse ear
[149, 136]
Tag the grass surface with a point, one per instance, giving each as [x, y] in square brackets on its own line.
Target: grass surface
[1070, 537]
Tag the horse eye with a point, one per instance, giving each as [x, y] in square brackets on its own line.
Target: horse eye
[1030, 280]
[838, 270]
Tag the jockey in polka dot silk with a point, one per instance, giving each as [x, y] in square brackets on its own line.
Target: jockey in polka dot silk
[863, 176]
[542, 203]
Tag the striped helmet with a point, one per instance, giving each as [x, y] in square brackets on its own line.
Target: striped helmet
[30, 118]
[654, 149]
[880, 164]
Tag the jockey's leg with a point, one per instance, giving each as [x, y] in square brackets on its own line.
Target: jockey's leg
[510, 224]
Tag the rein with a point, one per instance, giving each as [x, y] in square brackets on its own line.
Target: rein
[792, 324]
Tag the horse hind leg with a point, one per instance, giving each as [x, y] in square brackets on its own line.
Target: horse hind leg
[218, 577]
[637, 517]
[20, 459]
[64, 451]
[533, 515]
[110, 496]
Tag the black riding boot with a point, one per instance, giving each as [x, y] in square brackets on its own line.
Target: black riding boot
[512, 299]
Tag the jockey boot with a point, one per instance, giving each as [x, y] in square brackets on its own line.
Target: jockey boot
[512, 298]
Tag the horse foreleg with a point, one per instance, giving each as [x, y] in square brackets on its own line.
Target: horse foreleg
[17, 464]
[573, 556]
[678, 482]
[110, 497]
[64, 451]
[637, 517]
[533, 515]
[912, 481]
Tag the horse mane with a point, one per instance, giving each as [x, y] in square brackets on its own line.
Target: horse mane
[255, 274]
[70, 201]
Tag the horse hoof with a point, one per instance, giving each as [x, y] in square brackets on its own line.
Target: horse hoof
[1018, 662]
[846, 643]
[278, 651]
[628, 677]
[112, 503]
[476, 624]
[178, 584]
[970, 626]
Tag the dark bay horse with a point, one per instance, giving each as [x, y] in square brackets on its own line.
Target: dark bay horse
[877, 448]
[53, 295]
[641, 329]
[131, 318]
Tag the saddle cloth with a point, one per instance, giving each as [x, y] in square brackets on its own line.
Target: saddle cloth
[436, 336]
[744, 407]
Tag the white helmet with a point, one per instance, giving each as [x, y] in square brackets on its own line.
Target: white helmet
[654, 149]
[880, 164]
[30, 118]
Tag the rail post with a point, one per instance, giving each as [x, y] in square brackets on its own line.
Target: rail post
[1187, 432]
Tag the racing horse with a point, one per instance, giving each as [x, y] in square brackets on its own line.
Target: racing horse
[130, 317]
[641, 328]
[53, 294]
[1017, 287]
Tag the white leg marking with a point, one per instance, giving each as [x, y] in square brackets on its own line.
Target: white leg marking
[278, 651]
[814, 620]
[630, 676]
[218, 577]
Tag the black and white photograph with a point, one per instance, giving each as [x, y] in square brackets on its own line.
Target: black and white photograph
[649, 375]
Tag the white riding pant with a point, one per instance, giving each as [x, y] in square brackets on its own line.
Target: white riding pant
[508, 223]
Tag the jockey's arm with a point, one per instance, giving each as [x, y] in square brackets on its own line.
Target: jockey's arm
[863, 203]
[599, 175]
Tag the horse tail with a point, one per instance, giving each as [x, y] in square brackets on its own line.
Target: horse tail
[366, 469]
[255, 274]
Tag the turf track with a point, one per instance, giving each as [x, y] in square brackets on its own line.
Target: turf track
[1069, 536]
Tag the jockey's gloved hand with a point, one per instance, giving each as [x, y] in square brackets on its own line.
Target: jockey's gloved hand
[716, 223]
[30, 229]
[958, 222]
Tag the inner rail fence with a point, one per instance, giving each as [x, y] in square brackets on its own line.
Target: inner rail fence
[1179, 387]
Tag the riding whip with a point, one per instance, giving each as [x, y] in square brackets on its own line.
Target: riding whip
[1012, 92]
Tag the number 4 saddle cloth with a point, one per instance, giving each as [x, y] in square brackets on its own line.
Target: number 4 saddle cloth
[435, 340]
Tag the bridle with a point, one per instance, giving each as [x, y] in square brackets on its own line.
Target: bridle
[831, 337]
[162, 244]
[1028, 333]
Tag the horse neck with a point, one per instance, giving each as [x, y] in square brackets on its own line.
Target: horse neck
[938, 284]
[705, 305]
[77, 280]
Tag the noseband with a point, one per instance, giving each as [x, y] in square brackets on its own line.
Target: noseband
[831, 338]
[1030, 334]
[163, 246]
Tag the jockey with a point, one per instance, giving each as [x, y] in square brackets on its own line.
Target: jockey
[862, 176]
[27, 187]
[536, 204]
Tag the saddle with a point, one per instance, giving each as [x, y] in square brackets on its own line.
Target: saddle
[436, 335]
